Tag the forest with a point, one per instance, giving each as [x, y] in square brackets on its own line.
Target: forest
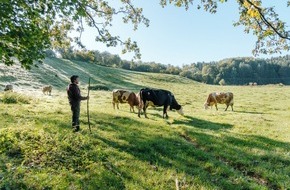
[230, 71]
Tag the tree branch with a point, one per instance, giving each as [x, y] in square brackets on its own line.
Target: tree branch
[264, 19]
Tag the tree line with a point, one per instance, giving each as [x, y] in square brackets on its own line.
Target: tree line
[231, 71]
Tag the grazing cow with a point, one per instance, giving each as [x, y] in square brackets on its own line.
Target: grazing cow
[8, 87]
[125, 96]
[47, 89]
[221, 98]
[158, 97]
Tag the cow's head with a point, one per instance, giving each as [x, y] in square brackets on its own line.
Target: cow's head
[206, 104]
[176, 106]
[180, 111]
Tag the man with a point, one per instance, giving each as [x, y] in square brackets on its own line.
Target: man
[74, 97]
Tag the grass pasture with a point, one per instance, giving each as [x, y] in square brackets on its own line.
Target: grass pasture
[205, 149]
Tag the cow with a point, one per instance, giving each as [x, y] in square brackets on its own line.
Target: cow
[8, 87]
[156, 98]
[222, 98]
[47, 89]
[125, 96]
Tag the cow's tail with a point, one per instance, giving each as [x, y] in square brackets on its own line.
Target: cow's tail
[141, 103]
[140, 94]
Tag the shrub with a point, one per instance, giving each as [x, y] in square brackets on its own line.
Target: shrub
[222, 82]
[14, 98]
[99, 87]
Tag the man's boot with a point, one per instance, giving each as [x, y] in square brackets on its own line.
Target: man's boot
[77, 128]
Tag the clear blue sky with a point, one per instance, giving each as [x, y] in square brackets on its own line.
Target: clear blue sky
[180, 37]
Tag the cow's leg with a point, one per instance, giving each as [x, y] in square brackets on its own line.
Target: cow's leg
[132, 108]
[166, 116]
[146, 104]
[113, 105]
[165, 111]
[216, 106]
[232, 105]
[139, 111]
[140, 106]
[227, 107]
[117, 105]
[144, 110]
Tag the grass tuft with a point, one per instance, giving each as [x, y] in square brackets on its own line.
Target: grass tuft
[15, 98]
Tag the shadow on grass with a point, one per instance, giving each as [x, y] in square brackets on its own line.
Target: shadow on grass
[250, 112]
[227, 161]
[158, 113]
[214, 161]
[203, 124]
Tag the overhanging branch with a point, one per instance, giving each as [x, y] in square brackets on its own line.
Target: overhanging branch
[266, 21]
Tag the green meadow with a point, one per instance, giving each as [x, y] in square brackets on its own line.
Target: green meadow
[248, 148]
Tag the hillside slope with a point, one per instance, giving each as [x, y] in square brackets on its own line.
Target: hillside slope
[205, 149]
[56, 72]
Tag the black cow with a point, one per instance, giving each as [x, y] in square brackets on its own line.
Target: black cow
[158, 97]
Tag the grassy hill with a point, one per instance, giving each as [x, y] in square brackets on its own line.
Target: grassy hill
[206, 149]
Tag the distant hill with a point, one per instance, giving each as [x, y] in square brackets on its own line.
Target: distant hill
[57, 72]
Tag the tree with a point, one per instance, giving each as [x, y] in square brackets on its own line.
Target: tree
[29, 27]
[209, 72]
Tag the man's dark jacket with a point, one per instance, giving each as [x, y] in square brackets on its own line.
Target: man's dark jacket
[74, 94]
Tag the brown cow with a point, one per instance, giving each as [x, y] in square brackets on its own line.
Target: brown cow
[125, 96]
[221, 98]
[8, 87]
[47, 89]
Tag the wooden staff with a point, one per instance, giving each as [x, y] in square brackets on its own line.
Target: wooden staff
[88, 112]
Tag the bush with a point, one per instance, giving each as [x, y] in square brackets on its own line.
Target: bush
[99, 87]
[14, 98]
[222, 82]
